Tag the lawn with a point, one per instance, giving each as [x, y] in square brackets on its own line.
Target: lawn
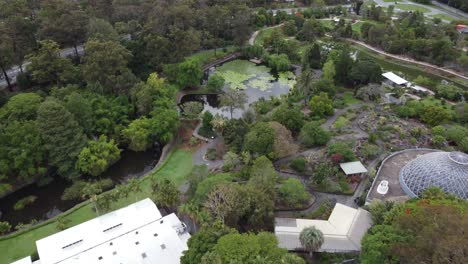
[444, 17]
[349, 99]
[264, 33]
[409, 7]
[206, 56]
[176, 168]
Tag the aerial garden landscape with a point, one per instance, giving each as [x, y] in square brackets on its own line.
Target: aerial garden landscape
[230, 114]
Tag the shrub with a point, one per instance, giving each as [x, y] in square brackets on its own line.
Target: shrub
[370, 150]
[312, 134]
[19, 205]
[211, 154]
[192, 109]
[342, 148]
[438, 130]
[5, 227]
[293, 193]
[298, 164]
[438, 141]
[324, 171]
[328, 185]
[215, 83]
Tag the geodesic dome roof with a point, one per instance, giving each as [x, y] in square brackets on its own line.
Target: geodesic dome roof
[446, 170]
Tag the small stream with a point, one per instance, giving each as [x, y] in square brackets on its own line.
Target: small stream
[48, 203]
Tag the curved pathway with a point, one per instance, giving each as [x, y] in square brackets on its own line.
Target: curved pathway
[405, 59]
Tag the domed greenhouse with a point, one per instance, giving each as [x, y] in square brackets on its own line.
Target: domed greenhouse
[446, 170]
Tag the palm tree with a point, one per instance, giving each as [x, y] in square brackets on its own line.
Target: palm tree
[311, 239]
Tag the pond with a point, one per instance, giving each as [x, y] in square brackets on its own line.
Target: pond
[256, 81]
[48, 203]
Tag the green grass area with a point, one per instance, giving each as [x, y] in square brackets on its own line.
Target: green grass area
[176, 168]
[392, 1]
[409, 7]
[349, 99]
[357, 26]
[444, 17]
[263, 34]
[330, 24]
[408, 71]
[206, 56]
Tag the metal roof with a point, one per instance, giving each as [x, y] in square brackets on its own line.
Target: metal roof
[135, 234]
[342, 231]
[394, 78]
[353, 167]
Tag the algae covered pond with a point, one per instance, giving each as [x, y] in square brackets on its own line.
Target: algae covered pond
[256, 81]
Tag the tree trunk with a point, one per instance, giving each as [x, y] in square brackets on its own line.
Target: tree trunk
[76, 50]
[7, 79]
[21, 67]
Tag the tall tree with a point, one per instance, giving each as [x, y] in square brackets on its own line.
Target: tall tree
[312, 57]
[47, 67]
[105, 67]
[97, 156]
[165, 193]
[64, 22]
[233, 99]
[62, 136]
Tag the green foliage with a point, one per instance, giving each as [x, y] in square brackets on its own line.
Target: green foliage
[232, 99]
[189, 73]
[312, 57]
[165, 193]
[4, 227]
[449, 91]
[215, 83]
[138, 134]
[263, 175]
[342, 148]
[407, 230]
[77, 190]
[255, 51]
[146, 96]
[20, 107]
[192, 109]
[234, 132]
[321, 105]
[279, 63]
[47, 67]
[312, 134]
[324, 171]
[203, 242]
[209, 184]
[23, 202]
[62, 136]
[366, 71]
[293, 194]
[369, 150]
[246, 248]
[311, 239]
[260, 139]
[341, 123]
[298, 164]
[99, 155]
[105, 67]
[435, 115]
[291, 118]
[23, 153]
[438, 140]
[81, 109]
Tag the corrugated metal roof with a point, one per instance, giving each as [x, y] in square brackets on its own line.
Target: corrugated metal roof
[394, 78]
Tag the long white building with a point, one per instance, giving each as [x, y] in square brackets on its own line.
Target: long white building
[137, 233]
[342, 231]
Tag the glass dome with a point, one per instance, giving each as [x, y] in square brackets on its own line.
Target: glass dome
[446, 170]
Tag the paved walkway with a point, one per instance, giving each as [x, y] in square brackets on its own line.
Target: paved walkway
[255, 34]
[432, 10]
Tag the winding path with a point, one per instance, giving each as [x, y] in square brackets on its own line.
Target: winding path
[405, 59]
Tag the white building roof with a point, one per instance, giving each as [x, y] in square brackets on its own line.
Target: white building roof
[394, 78]
[342, 232]
[135, 234]
[353, 167]
[26, 260]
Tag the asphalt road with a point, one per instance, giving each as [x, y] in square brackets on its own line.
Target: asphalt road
[14, 71]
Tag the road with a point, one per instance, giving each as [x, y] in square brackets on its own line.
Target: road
[432, 10]
[405, 59]
[14, 71]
